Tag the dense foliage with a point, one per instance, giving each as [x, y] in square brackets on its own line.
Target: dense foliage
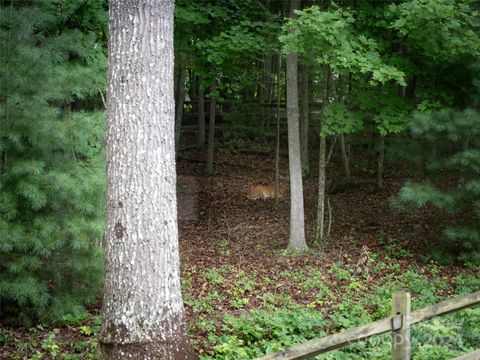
[52, 159]
[451, 154]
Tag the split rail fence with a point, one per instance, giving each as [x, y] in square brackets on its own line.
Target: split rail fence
[398, 324]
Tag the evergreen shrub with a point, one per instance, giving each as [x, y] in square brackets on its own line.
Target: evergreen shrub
[451, 155]
[52, 159]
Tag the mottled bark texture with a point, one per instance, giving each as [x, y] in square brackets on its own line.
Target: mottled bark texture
[297, 222]
[143, 315]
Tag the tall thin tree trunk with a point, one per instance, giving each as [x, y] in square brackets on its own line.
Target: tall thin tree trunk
[143, 315]
[266, 89]
[297, 217]
[304, 98]
[211, 129]
[277, 147]
[343, 147]
[381, 158]
[343, 152]
[320, 226]
[179, 101]
[319, 231]
[201, 112]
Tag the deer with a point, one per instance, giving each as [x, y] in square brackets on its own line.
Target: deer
[266, 191]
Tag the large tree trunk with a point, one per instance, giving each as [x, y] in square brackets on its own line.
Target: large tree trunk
[201, 112]
[304, 93]
[179, 101]
[211, 129]
[297, 222]
[143, 315]
[320, 226]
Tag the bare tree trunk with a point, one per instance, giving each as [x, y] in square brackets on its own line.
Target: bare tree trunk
[277, 147]
[269, 71]
[304, 97]
[201, 112]
[381, 157]
[211, 129]
[343, 148]
[265, 89]
[179, 101]
[297, 217]
[319, 231]
[143, 315]
[343, 151]
[320, 226]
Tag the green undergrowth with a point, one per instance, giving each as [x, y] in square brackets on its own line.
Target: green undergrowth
[350, 302]
[74, 339]
[228, 326]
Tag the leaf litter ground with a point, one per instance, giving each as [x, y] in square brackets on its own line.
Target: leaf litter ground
[232, 250]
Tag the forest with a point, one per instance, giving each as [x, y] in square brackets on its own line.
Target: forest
[224, 179]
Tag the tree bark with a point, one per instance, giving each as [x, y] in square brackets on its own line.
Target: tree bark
[143, 315]
[277, 115]
[266, 89]
[201, 112]
[179, 101]
[343, 148]
[343, 151]
[304, 97]
[381, 157]
[320, 226]
[297, 218]
[211, 129]
[321, 189]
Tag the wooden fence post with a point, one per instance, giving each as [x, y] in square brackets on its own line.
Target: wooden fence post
[401, 337]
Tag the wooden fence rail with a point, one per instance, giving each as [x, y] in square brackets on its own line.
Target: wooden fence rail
[399, 324]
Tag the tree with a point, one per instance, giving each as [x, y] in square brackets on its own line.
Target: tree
[322, 163]
[143, 310]
[297, 217]
[201, 112]
[225, 58]
[455, 136]
[429, 41]
[179, 99]
[51, 159]
[329, 38]
[304, 113]
[211, 127]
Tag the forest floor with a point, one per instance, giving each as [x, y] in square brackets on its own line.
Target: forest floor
[235, 248]
[233, 259]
